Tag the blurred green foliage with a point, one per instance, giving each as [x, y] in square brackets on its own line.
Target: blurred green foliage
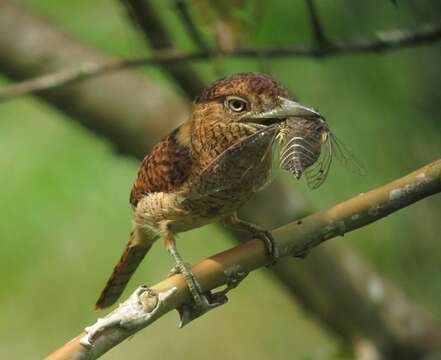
[64, 202]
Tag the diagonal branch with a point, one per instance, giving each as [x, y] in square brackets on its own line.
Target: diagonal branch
[381, 42]
[295, 239]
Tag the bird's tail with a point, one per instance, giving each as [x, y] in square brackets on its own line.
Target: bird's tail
[136, 249]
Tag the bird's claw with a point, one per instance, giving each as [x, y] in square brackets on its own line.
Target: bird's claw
[270, 243]
[202, 302]
[254, 231]
[209, 300]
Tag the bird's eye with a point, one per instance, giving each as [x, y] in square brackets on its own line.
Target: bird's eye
[237, 104]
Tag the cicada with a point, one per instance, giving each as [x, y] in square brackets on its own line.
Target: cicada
[308, 148]
[304, 147]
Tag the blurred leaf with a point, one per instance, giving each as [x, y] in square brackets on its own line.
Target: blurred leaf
[230, 22]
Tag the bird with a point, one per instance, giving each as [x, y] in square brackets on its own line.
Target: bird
[203, 172]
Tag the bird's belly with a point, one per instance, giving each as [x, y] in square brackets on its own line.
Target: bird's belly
[190, 208]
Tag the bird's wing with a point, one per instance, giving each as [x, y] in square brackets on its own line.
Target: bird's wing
[164, 169]
[242, 166]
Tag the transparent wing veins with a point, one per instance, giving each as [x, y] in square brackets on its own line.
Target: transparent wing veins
[346, 156]
[316, 174]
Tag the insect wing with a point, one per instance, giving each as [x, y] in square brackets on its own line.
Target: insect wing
[316, 174]
[346, 157]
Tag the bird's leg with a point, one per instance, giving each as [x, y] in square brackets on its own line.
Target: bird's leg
[183, 268]
[254, 231]
[202, 302]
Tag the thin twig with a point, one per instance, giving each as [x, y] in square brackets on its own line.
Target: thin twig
[190, 26]
[316, 26]
[382, 42]
[146, 305]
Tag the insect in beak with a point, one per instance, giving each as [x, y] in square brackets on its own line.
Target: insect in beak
[301, 140]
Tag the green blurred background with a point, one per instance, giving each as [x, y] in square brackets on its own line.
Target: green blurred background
[64, 205]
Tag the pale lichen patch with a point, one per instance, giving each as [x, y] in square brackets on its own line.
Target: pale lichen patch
[232, 270]
[375, 289]
[395, 194]
[355, 217]
[130, 314]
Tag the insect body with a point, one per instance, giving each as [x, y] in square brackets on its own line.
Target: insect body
[308, 147]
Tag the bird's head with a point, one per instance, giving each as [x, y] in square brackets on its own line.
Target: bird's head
[252, 98]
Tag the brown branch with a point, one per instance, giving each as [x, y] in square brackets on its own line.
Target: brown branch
[382, 42]
[295, 239]
[144, 14]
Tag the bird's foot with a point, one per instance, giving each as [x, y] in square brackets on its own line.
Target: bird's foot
[206, 302]
[189, 312]
[269, 242]
[256, 232]
[202, 302]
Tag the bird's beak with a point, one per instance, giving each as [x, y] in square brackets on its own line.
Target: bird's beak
[287, 108]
